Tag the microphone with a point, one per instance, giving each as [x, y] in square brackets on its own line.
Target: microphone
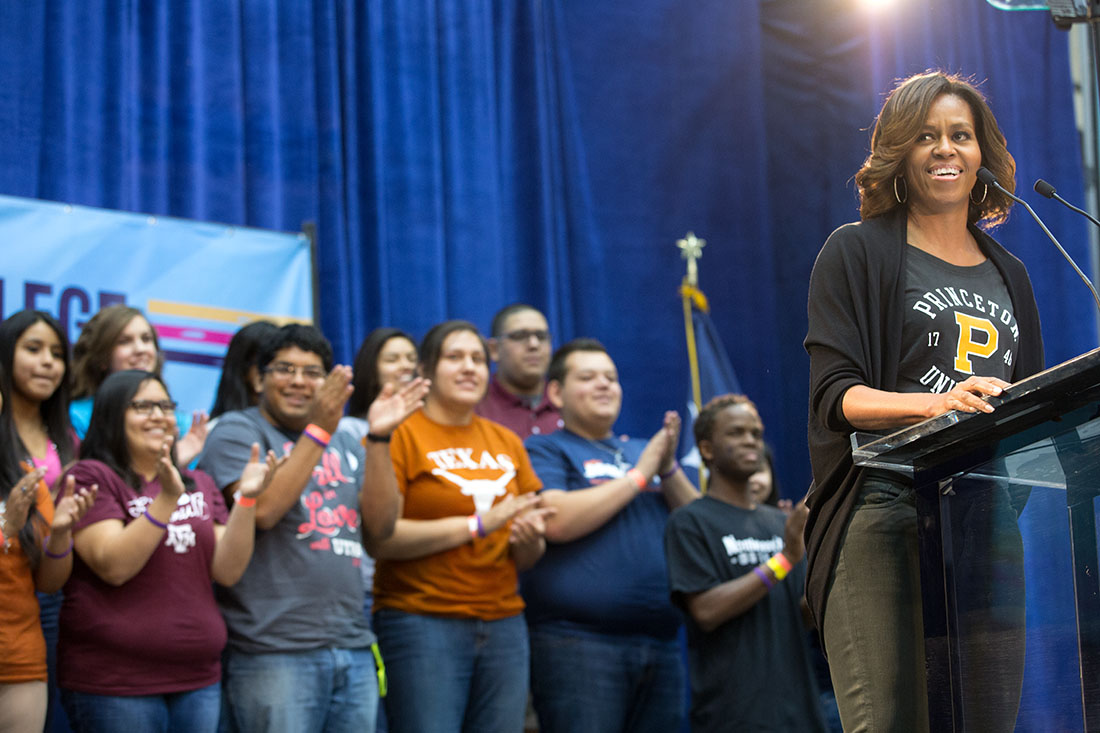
[1046, 190]
[986, 176]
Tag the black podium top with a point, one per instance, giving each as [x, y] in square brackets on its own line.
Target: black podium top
[1013, 442]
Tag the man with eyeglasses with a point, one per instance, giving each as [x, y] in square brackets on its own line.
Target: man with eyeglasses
[516, 398]
[300, 649]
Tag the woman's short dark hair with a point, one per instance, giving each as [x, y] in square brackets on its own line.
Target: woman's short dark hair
[897, 127]
[234, 391]
[306, 338]
[431, 347]
[54, 411]
[96, 343]
[365, 369]
[106, 437]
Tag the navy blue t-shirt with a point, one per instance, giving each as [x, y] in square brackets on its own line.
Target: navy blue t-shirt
[615, 579]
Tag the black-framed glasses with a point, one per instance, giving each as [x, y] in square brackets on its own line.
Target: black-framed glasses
[526, 334]
[284, 370]
[145, 407]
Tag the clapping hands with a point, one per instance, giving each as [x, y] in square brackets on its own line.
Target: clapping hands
[257, 475]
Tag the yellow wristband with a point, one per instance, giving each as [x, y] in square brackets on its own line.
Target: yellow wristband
[779, 565]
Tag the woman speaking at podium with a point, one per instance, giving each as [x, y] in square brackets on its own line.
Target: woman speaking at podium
[914, 311]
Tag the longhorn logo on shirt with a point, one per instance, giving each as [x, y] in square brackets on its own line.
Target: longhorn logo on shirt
[483, 491]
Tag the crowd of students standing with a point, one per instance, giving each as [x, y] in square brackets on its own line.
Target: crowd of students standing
[219, 573]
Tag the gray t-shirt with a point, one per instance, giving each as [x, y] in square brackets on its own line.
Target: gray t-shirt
[303, 589]
[959, 323]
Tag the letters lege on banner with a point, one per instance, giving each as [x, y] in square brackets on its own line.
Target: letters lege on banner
[196, 282]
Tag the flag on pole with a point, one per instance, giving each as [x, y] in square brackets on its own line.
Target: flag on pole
[709, 365]
[712, 374]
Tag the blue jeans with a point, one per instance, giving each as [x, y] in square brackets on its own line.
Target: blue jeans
[584, 681]
[322, 690]
[194, 711]
[451, 674]
[49, 605]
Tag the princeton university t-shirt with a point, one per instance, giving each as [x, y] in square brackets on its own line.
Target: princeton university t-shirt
[959, 323]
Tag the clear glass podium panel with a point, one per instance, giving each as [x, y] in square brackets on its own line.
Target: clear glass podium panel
[1007, 524]
[1006, 640]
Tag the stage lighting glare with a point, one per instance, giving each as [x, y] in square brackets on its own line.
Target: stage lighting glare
[876, 5]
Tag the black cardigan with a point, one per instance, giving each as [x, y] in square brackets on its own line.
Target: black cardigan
[856, 311]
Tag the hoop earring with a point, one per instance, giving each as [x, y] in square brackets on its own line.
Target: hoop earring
[896, 194]
[985, 192]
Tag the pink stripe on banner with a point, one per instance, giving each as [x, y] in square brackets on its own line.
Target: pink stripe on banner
[197, 335]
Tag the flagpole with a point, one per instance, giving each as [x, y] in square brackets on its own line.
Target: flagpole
[691, 249]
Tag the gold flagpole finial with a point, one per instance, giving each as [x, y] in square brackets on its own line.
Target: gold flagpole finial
[691, 249]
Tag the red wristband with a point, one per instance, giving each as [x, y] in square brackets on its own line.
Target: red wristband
[245, 501]
[318, 435]
[637, 477]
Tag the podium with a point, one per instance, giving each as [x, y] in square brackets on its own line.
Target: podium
[1010, 583]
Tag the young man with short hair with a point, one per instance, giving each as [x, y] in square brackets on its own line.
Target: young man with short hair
[516, 398]
[299, 654]
[736, 567]
[604, 654]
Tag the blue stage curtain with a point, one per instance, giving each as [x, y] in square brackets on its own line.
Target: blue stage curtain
[458, 155]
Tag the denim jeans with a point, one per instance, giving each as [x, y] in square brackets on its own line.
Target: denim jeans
[452, 674]
[194, 711]
[318, 691]
[584, 681]
[49, 605]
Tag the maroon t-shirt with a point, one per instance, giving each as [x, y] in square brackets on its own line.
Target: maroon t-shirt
[160, 631]
[518, 414]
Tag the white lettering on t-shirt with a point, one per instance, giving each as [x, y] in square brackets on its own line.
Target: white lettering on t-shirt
[751, 550]
[181, 537]
[137, 506]
[598, 471]
[190, 506]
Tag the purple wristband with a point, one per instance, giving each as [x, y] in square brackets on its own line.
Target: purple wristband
[671, 472]
[57, 555]
[764, 577]
[156, 522]
[480, 526]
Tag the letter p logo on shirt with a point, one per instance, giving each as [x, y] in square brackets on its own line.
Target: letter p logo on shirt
[970, 330]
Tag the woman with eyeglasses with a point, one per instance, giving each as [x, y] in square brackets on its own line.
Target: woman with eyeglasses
[141, 635]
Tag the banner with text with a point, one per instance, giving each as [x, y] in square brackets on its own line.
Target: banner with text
[196, 282]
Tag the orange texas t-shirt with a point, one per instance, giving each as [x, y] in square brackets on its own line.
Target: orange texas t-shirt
[446, 471]
[20, 629]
